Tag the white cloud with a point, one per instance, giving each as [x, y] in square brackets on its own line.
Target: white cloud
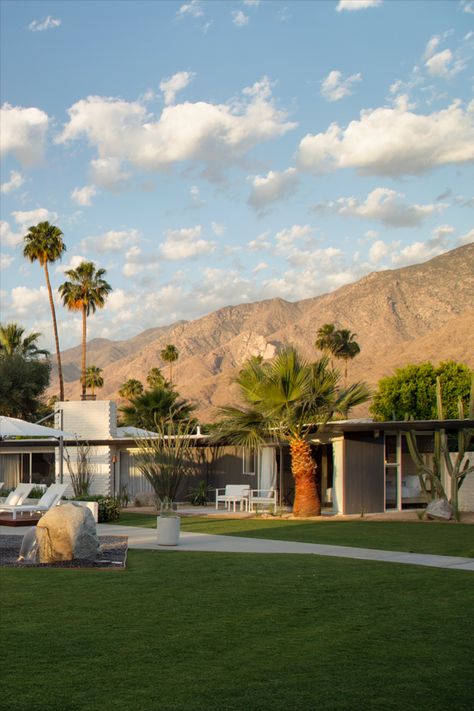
[395, 255]
[23, 133]
[15, 182]
[5, 260]
[252, 3]
[261, 243]
[285, 239]
[27, 218]
[353, 5]
[212, 134]
[111, 241]
[107, 173]
[185, 243]
[260, 267]
[386, 206]
[378, 251]
[73, 263]
[441, 64]
[192, 8]
[49, 23]
[466, 238]
[468, 6]
[177, 82]
[29, 303]
[83, 196]
[217, 228]
[8, 236]
[239, 18]
[335, 87]
[393, 142]
[272, 187]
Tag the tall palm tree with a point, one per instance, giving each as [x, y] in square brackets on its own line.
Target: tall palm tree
[170, 355]
[287, 398]
[94, 378]
[155, 378]
[131, 388]
[326, 340]
[14, 342]
[346, 347]
[86, 291]
[45, 244]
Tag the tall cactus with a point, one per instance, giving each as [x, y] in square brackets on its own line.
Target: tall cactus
[456, 469]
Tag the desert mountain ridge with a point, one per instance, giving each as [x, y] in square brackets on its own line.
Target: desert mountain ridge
[408, 315]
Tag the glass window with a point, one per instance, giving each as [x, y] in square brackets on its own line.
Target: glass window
[249, 461]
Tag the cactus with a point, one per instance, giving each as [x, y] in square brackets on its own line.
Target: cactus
[458, 469]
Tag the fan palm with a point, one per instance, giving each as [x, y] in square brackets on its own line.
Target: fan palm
[154, 406]
[326, 340]
[86, 291]
[286, 399]
[131, 388]
[44, 243]
[94, 378]
[346, 347]
[14, 342]
[170, 355]
[155, 378]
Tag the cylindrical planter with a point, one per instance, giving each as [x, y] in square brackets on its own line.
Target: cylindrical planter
[167, 530]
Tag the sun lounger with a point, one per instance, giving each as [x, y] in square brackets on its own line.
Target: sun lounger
[16, 497]
[50, 498]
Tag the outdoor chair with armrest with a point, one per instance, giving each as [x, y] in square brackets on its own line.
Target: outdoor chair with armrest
[16, 497]
[234, 494]
[263, 497]
[50, 498]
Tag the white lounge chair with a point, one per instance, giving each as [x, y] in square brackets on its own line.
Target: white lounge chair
[234, 494]
[17, 496]
[50, 498]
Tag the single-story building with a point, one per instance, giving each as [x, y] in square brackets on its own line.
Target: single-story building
[364, 466]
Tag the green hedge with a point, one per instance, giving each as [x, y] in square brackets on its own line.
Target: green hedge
[109, 507]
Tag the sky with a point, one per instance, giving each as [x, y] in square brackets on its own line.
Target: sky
[216, 153]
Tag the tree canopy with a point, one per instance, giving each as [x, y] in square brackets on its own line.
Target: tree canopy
[23, 382]
[14, 342]
[153, 406]
[411, 391]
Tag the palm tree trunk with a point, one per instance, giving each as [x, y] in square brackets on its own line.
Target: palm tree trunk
[83, 365]
[56, 337]
[303, 467]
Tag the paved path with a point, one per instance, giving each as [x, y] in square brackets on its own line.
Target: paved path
[145, 538]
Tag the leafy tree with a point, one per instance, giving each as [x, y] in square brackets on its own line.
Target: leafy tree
[23, 382]
[155, 406]
[13, 341]
[155, 378]
[411, 391]
[94, 378]
[286, 399]
[86, 291]
[170, 355]
[131, 389]
[44, 244]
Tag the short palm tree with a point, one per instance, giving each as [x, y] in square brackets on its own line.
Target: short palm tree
[14, 342]
[86, 291]
[131, 388]
[154, 406]
[287, 399]
[44, 243]
[326, 340]
[170, 355]
[94, 378]
[155, 378]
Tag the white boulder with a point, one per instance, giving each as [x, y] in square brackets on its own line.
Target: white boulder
[439, 509]
[67, 532]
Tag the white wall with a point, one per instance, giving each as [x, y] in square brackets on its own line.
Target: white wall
[338, 476]
[88, 419]
[466, 492]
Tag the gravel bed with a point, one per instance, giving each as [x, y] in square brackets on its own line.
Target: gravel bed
[113, 555]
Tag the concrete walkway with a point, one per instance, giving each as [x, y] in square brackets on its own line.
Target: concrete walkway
[145, 538]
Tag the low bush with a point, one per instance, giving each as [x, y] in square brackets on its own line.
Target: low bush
[109, 507]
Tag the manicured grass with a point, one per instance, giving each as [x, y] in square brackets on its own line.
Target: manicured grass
[211, 632]
[418, 537]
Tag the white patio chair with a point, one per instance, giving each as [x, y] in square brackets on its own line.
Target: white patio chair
[263, 497]
[17, 496]
[50, 498]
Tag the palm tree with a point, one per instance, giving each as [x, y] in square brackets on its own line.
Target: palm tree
[347, 347]
[86, 291]
[154, 406]
[170, 355]
[13, 342]
[287, 398]
[131, 388]
[155, 378]
[326, 340]
[45, 244]
[94, 378]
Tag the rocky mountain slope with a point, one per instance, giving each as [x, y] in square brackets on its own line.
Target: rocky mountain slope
[409, 315]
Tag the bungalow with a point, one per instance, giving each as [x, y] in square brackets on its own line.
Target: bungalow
[364, 466]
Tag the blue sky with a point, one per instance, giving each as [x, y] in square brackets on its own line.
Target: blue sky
[212, 153]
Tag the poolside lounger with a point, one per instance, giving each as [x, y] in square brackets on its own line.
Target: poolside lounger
[50, 498]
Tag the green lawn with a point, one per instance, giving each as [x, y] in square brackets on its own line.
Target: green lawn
[417, 537]
[225, 632]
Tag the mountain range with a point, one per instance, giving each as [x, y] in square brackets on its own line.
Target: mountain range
[408, 315]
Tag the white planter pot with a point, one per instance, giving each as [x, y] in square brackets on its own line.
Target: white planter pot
[167, 530]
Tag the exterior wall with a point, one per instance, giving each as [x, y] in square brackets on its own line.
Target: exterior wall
[87, 419]
[466, 492]
[338, 476]
[100, 467]
[363, 473]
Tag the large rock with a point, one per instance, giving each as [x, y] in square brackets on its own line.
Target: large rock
[67, 532]
[439, 509]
